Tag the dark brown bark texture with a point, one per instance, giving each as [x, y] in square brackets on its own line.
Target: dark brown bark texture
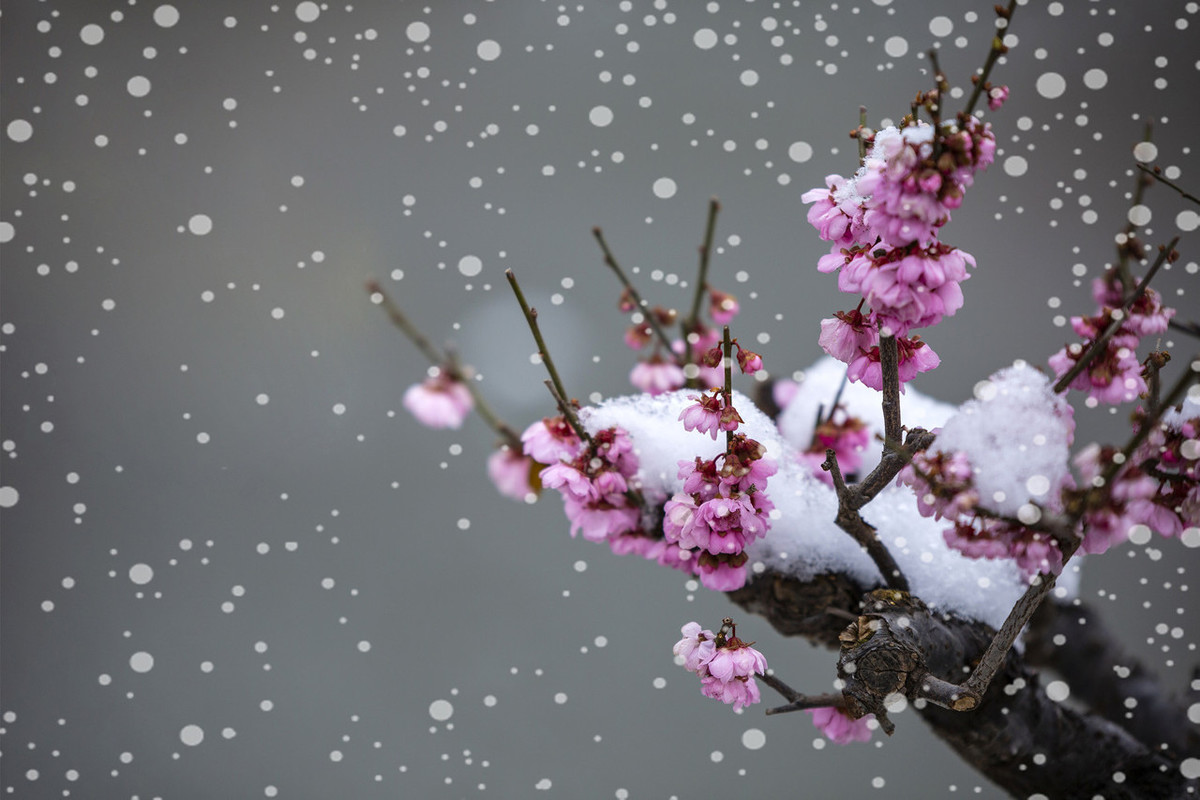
[1018, 737]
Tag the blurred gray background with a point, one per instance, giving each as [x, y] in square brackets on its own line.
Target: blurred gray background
[233, 566]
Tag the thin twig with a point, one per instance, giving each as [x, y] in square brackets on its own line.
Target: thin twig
[482, 408]
[568, 412]
[406, 327]
[997, 49]
[531, 318]
[633, 292]
[710, 229]
[450, 362]
[1156, 173]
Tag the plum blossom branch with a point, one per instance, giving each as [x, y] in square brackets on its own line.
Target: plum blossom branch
[710, 229]
[456, 375]
[1156, 174]
[998, 49]
[993, 657]
[1100, 344]
[611, 261]
[543, 352]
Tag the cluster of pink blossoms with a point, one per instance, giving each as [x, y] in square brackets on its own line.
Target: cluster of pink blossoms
[883, 223]
[839, 727]
[945, 489]
[726, 665]
[1159, 487]
[594, 478]
[722, 507]
[661, 372]
[1115, 375]
[846, 435]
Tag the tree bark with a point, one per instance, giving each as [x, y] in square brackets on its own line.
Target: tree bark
[1018, 737]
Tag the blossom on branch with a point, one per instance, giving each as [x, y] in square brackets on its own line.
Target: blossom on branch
[511, 473]
[440, 401]
[726, 665]
[839, 727]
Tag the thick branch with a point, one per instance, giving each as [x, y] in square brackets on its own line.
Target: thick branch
[1062, 636]
[897, 648]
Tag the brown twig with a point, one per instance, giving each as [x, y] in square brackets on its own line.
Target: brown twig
[998, 49]
[1156, 174]
[633, 292]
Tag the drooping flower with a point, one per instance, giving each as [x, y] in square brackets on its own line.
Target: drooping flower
[439, 401]
[657, 375]
[709, 415]
[913, 357]
[996, 97]
[550, 440]
[731, 671]
[846, 334]
[696, 648]
[839, 727]
[510, 472]
[748, 362]
[722, 307]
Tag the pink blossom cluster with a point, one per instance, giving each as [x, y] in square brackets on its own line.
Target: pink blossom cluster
[945, 488]
[440, 401]
[1159, 487]
[723, 506]
[839, 727]
[726, 665]
[883, 223]
[847, 435]
[661, 372]
[594, 478]
[1115, 375]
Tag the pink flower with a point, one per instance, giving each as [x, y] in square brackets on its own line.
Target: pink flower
[955, 493]
[839, 727]
[439, 402]
[722, 577]
[510, 473]
[657, 376]
[913, 357]
[846, 334]
[600, 520]
[722, 307]
[996, 97]
[709, 415]
[731, 671]
[748, 362]
[696, 648]
[551, 440]
[837, 211]
[847, 436]
[1114, 376]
